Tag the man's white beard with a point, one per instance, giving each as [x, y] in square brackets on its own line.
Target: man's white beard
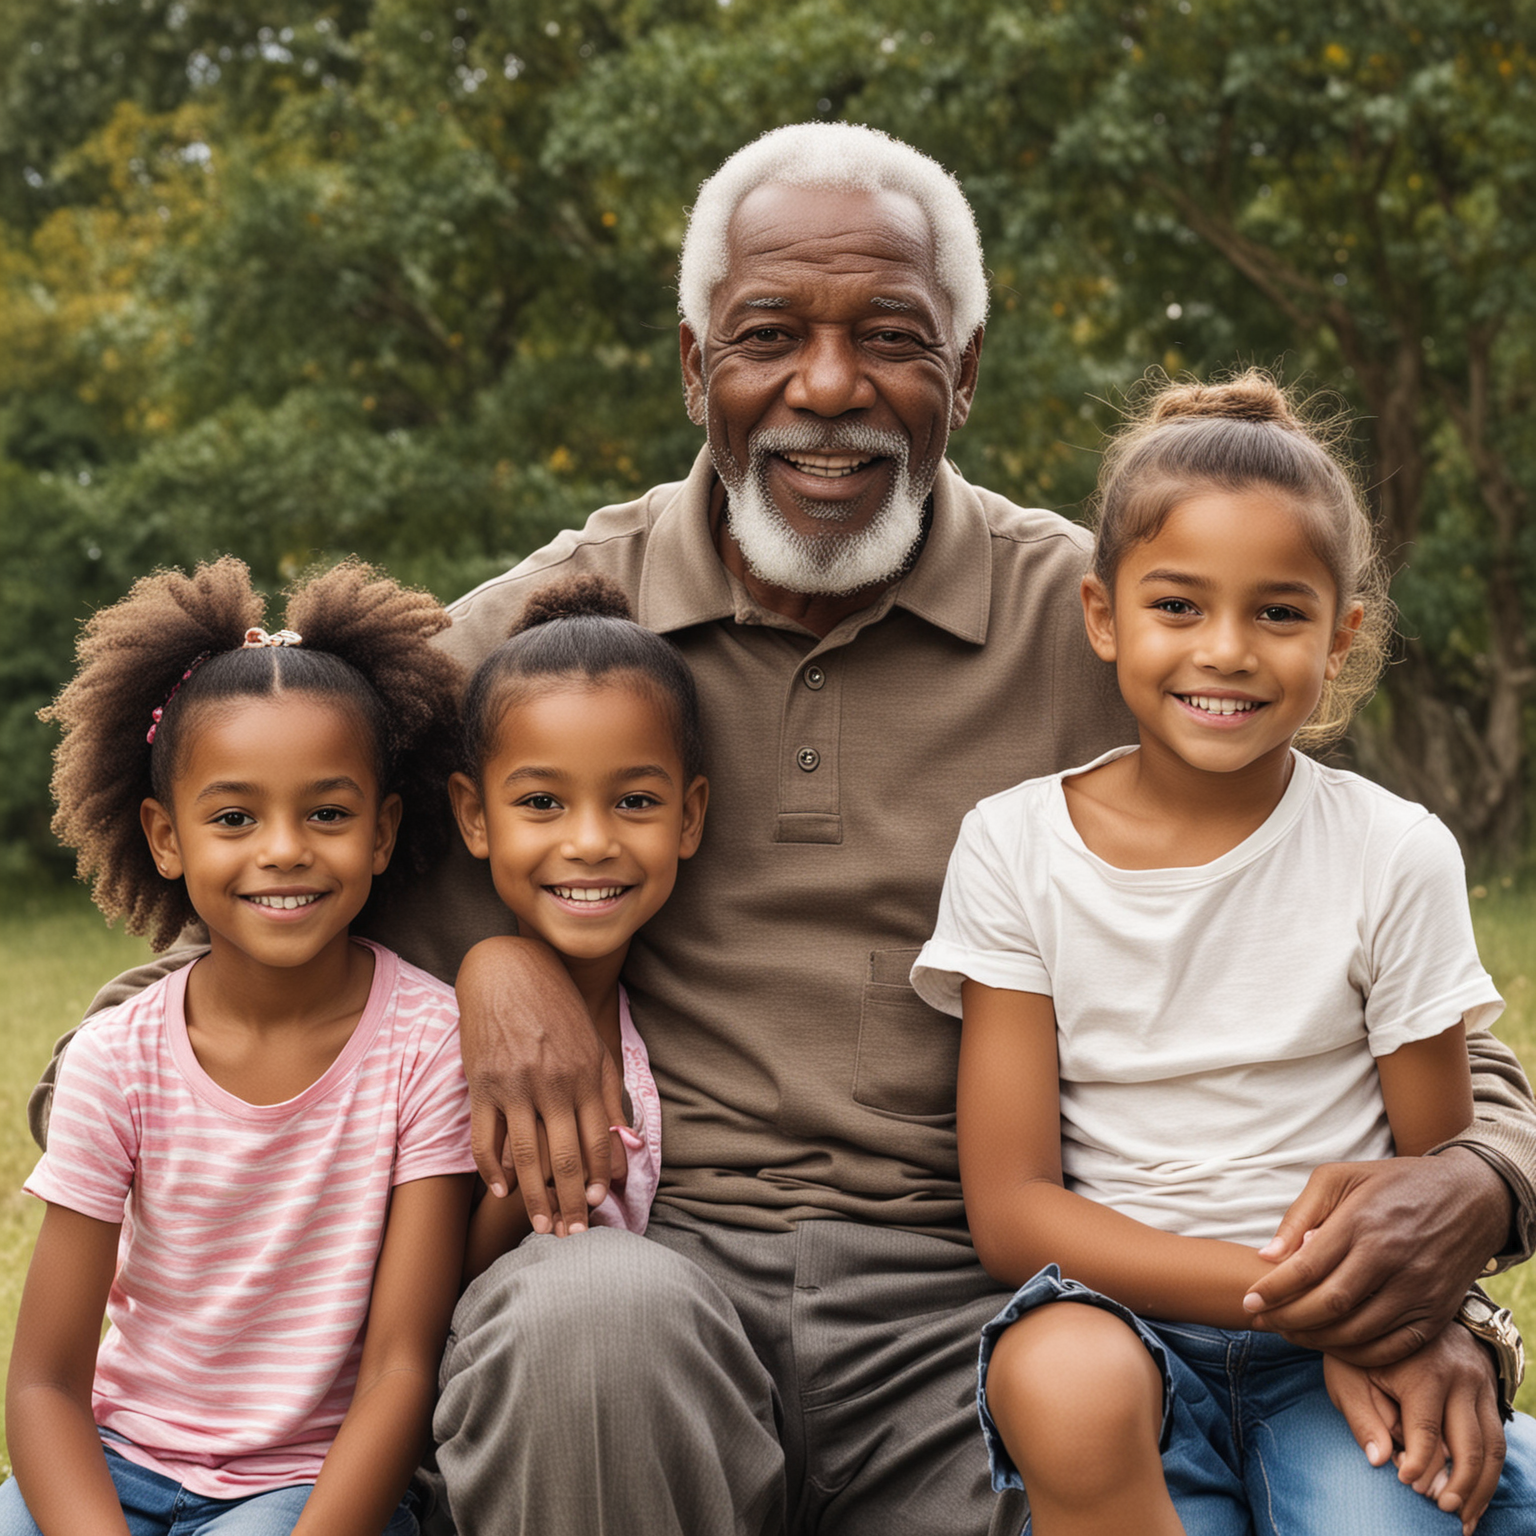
[834, 562]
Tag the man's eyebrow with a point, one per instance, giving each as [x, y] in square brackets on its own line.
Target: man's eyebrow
[766, 303]
[880, 301]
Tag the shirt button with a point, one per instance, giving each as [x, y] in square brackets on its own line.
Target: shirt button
[814, 677]
[808, 758]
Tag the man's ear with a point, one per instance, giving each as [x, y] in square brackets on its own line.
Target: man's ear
[469, 812]
[1099, 617]
[695, 800]
[160, 832]
[693, 373]
[965, 382]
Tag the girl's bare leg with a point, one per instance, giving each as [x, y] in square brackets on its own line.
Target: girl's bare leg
[1078, 1401]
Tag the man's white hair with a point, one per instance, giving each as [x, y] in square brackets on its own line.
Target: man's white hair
[840, 157]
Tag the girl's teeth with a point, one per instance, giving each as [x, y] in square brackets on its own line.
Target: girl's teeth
[1220, 706]
[587, 893]
[285, 903]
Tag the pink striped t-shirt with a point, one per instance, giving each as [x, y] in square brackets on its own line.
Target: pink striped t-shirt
[250, 1232]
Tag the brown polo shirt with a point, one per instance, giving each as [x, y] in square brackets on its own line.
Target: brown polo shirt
[800, 1074]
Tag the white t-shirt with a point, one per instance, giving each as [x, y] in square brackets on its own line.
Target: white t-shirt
[1216, 1025]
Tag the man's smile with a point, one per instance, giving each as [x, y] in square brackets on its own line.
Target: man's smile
[830, 466]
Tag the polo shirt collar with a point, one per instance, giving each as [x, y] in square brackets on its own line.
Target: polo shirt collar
[683, 581]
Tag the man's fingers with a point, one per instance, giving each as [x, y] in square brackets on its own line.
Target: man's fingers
[1475, 1435]
[1370, 1414]
[487, 1133]
[525, 1158]
[1424, 1452]
[1296, 1280]
[1309, 1210]
[567, 1167]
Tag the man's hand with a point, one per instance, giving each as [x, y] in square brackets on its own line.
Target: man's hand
[543, 1090]
[1376, 1257]
[1436, 1414]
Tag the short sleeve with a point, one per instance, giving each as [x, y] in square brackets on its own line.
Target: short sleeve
[434, 1112]
[93, 1134]
[1425, 975]
[983, 932]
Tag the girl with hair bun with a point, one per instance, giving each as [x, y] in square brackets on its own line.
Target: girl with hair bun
[1190, 973]
[583, 788]
[259, 1167]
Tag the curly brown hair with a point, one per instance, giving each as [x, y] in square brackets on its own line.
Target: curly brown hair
[175, 644]
[1182, 437]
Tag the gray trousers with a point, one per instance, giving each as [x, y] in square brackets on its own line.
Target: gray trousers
[705, 1380]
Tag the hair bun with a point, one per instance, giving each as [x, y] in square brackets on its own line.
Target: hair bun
[1250, 396]
[590, 596]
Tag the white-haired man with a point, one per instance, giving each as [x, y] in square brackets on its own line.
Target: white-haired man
[878, 644]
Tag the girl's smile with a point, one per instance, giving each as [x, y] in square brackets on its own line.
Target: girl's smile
[1223, 628]
[276, 825]
[583, 812]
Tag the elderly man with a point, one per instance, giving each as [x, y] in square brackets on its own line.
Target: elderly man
[878, 644]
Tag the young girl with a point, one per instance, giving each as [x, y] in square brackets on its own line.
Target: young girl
[260, 1166]
[1190, 972]
[581, 735]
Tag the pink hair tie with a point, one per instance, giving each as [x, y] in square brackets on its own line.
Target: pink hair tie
[258, 637]
[156, 715]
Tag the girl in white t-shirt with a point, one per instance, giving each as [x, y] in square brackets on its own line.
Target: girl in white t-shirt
[1190, 973]
[259, 1167]
[583, 791]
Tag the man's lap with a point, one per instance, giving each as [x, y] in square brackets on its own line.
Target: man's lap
[861, 1342]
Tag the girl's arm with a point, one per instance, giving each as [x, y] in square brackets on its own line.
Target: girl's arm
[1010, 1169]
[384, 1433]
[55, 1448]
[1427, 1088]
[499, 1224]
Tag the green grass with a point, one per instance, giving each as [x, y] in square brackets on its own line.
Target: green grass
[55, 951]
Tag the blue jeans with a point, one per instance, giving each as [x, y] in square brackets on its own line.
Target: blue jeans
[1253, 1446]
[159, 1506]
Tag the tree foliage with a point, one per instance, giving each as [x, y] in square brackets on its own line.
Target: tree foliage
[398, 276]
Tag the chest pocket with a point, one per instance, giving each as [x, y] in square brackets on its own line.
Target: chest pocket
[909, 1053]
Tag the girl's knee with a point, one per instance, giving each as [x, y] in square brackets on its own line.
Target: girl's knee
[1072, 1389]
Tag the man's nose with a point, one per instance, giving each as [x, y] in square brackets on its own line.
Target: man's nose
[829, 377]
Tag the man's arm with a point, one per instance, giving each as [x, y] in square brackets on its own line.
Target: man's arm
[1397, 1244]
[190, 943]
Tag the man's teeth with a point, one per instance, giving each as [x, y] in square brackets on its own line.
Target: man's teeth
[1220, 706]
[587, 892]
[286, 903]
[830, 466]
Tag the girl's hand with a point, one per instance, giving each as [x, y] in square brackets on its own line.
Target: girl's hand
[1436, 1414]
